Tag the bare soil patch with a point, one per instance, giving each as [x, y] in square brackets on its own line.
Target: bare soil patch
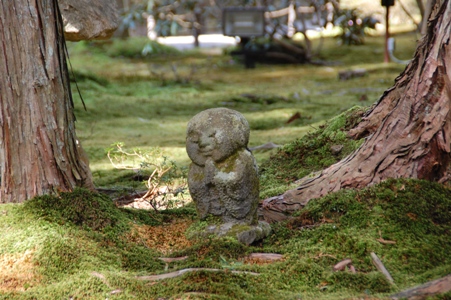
[17, 272]
[166, 238]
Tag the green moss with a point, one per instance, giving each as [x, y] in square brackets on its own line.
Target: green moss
[310, 153]
[189, 210]
[196, 229]
[78, 286]
[199, 176]
[80, 76]
[140, 216]
[207, 250]
[140, 258]
[371, 283]
[414, 214]
[81, 207]
[230, 164]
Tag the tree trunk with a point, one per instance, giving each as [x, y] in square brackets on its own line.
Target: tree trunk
[39, 153]
[408, 131]
[425, 15]
[197, 24]
[422, 13]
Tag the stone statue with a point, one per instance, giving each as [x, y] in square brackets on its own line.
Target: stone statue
[223, 179]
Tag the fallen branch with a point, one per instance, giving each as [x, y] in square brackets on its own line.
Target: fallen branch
[428, 289]
[181, 272]
[380, 266]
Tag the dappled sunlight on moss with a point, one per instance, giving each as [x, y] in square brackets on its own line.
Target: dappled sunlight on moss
[311, 153]
[413, 215]
[135, 107]
[17, 271]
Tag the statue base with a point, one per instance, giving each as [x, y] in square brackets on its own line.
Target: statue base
[244, 233]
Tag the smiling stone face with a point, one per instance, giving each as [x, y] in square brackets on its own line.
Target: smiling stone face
[217, 134]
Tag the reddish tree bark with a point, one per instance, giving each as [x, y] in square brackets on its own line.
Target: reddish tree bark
[39, 153]
[408, 132]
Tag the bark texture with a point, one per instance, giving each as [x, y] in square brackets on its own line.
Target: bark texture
[89, 20]
[408, 132]
[427, 290]
[39, 153]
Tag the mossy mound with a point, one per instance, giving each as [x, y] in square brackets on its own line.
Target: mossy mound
[81, 207]
[313, 152]
[405, 222]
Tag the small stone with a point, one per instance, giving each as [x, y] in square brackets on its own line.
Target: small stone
[336, 149]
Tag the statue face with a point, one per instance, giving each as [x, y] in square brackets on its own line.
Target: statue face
[207, 142]
[216, 134]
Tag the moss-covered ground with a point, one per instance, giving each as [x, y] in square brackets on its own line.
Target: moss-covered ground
[146, 102]
[81, 245]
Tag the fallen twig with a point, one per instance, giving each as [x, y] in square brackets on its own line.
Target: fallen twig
[324, 255]
[181, 272]
[385, 242]
[172, 259]
[342, 264]
[266, 256]
[380, 266]
[294, 117]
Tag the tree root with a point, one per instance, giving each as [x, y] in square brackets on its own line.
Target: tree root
[184, 271]
[439, 286]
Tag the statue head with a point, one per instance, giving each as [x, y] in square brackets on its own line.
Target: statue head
[216, 134]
